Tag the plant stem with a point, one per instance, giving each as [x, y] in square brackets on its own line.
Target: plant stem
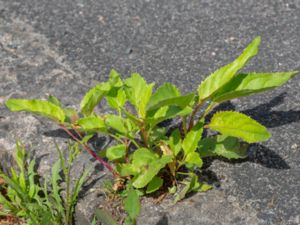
[126, 143]
[134, 142]
[91, 152]
[209, 109]
[77, 132]
[68, 202]
[144, 137]
[117, 138]
[192, 118]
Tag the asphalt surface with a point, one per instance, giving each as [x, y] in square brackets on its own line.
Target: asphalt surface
[65, 47]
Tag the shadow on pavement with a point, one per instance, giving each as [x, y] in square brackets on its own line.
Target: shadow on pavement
[264, 114]
[58, 133]
[264, 156]
[258, 154]
[163, 221]
[85, 190]
[98, 142]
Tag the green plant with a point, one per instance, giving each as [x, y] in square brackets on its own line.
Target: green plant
[132, 205]
[149, 155]
[41, 203]
[129, 198]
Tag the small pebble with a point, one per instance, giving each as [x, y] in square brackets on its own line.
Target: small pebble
[231, 198]
[129, 51]
[294, 146]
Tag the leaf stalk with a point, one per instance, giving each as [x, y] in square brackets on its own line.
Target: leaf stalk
[193, 115]
[90, 151]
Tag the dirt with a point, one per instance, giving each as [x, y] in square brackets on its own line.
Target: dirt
[9, 220]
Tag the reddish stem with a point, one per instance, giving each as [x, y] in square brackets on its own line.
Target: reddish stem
[91, 152]
[126, 143]
[191, 123]
[77, 132]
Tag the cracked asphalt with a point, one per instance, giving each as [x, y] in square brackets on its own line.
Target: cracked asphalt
[64, 47]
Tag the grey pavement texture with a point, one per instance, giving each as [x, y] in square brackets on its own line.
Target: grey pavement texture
[64, 47]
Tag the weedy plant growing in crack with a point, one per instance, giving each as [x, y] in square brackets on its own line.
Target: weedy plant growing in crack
[41, 203]
[147, 156]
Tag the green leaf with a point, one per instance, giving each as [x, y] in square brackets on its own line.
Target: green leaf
[93, 97]
[14, 190]
[132, 117]
[20, 156]
[40, 107]
[151, 171]
[77, 188]
[172, 190]
[221, 145]
[135, 87]
[126, 169]
[157, 134]
[105, 217]
[33, 188]
[239, 125]
[55, 180]
[186, 111]
[144, 100]
[193, 158]
[223, 75]
[167, 112]
[138, 92]
[129, 221]
[132, 204]
[116, 98]
[92, 123]
[165, 91]
[6, 204]
[54, 100]
[114, 78]
[94, 221]
[192, 138]
[175, 142]
[180, 101]
[116, 152]
[117, 123]
[252, 83]
[204, 187]
[142, 157]
[154, 185]
[71, 115]
[87, 137]
[190, 184]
